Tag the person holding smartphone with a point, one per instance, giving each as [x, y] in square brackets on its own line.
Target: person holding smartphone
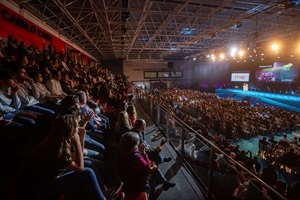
[5, 120]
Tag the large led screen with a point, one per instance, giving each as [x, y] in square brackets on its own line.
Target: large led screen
[279, 73]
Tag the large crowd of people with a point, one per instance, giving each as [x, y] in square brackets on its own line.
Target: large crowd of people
[224, 120]
[233, 118]
[59, 116]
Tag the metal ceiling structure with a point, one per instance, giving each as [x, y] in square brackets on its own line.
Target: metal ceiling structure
[168, 29]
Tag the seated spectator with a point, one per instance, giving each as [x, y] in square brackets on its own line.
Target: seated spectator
[93, 141]
[96, 123]
[272, 141]
[284, 142]
[256, 191]
[134, 167]
[263, 144]
[242, 156]
[294, 140]
[269, 175]
[67, 84]
[40, 92]
[293, 190]
[227, 183]
[12, 46]
[257, 164]
[3, 54]
[24, 91]
[281, 188]
[217, 138]
[53, 84]
[222, 161]
[43, 95]
[10, 101]
[50, 169]
[289, 159]
[98, 109]
[154, 155]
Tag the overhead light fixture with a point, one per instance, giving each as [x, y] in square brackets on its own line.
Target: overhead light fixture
[237, 25]
[233, 51]
[275, 47]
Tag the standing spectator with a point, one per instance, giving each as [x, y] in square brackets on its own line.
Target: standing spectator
[123, 123]
[284, 142]
[131, 114]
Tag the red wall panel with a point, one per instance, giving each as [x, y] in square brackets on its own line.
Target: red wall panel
[12, 23]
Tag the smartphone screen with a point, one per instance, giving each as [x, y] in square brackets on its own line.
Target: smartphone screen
[8, 116]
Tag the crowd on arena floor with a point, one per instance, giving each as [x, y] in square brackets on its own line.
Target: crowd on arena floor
[231, 119]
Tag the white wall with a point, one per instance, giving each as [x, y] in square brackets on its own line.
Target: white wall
[134, 69]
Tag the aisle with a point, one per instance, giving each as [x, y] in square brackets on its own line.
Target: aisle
[186, 188]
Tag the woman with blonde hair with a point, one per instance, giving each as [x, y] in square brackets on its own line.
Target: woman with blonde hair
[55, 166]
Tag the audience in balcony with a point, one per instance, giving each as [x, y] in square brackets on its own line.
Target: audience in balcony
[3, 55]
[53, 84]
[50, 170]
[134, 167]
[123, 123]
[96, 123]
[131, 114]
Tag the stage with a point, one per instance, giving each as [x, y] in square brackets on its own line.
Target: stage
[287, 101]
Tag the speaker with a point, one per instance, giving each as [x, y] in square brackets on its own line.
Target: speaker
[170, 65]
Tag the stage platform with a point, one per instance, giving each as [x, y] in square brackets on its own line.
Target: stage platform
[287, 101]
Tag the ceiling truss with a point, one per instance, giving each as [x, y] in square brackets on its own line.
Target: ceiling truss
[167, 29]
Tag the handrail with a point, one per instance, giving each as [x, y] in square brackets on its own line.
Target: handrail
[214, 147]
